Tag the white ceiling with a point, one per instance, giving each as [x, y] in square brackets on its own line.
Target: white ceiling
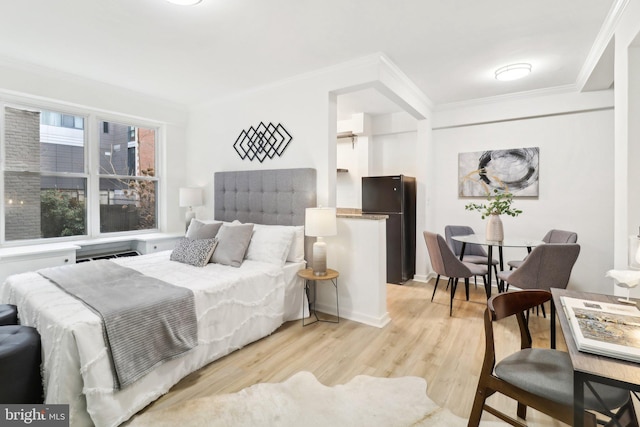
[448, 48]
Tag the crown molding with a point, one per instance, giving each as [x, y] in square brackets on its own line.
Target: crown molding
[387, 69]
[16, 65]
[605, 35]
[557, 90]
[400, 76]
[368, 60]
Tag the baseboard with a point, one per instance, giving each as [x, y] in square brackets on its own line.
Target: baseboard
[378, 322]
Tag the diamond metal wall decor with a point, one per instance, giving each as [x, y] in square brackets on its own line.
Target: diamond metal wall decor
[262, 141]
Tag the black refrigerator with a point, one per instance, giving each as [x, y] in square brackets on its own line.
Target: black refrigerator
[394, 196]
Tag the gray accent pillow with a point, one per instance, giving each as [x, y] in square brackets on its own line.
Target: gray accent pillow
[200, 230]
[233, 241]
[194, 252]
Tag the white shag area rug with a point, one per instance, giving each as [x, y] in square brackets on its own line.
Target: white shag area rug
[303, 401]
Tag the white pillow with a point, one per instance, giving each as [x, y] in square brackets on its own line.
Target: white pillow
[270, 243]
[296, 252]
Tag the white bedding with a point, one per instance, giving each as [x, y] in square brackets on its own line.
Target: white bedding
[234, 307]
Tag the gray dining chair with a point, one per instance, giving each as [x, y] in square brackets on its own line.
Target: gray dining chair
[472, 253]
[445, 263]
[552, 236]
[547, 266]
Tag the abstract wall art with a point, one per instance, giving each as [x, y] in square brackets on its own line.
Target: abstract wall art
[262, 141]
[515, 170]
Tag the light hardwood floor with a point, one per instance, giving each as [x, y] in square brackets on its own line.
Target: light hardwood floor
[420, 340]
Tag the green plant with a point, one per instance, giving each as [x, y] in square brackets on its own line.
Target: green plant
[498, 204]
[61, 214]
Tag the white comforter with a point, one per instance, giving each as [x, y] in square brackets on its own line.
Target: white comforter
[234, 307]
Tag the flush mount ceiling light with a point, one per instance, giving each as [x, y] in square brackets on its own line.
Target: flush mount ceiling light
[513, 72]
[185, 2]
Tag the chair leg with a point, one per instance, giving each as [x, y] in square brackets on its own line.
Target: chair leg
[466, 287]
[590, 419]
[544, 314]
[435, 287]
[454, 284]
[495, 270]
[522, 411]
[478, 405]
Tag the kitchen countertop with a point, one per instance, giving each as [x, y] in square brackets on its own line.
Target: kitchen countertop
[357, 214]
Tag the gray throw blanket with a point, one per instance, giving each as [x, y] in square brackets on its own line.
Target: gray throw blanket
[145, 321]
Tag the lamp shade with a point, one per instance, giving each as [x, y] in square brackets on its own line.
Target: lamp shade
[320, 222]
[190, 196]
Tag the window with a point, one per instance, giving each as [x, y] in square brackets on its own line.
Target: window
[51, 118]
[49, 190]
[45, 183]
[128, 185]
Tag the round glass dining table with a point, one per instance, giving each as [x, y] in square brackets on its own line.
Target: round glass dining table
[512, 242]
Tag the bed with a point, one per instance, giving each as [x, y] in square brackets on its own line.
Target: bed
[234, 306]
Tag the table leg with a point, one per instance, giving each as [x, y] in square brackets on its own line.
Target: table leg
[464, 245]
[487, 287]
[578, 399]
[553, 325]
[311, 301]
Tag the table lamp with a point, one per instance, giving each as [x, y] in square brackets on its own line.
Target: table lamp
[320, 222]
[189, 197]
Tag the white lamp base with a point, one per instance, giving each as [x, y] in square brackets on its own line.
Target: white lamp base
[188, 217]
[319, 258]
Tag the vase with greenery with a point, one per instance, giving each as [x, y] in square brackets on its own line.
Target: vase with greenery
[498, 203]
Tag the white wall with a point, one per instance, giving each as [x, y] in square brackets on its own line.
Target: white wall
[30, 84]
[389, 148]
[393, 154]
[627, 132]
[305, 106]
[576, 172]
[353, 159]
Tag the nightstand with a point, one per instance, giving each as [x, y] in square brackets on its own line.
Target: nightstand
[308, 276]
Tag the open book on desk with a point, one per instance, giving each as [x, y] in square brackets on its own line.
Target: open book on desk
[604, 328]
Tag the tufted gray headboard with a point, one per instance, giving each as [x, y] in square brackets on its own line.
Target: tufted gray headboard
[275, 196]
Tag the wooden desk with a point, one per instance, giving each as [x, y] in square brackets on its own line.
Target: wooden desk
[477, 239]
[589, 367]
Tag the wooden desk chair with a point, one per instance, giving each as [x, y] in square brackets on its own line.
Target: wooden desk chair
[445, 263]
[536, 377]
